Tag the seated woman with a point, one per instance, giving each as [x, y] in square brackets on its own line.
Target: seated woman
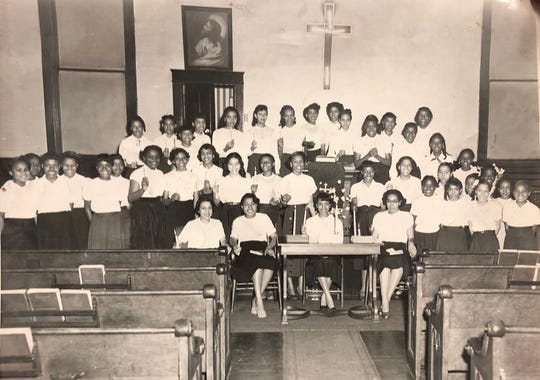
[253, 238]
[394, 228]
[324, 228]
[202, 232]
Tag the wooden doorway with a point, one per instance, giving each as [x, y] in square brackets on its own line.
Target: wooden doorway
[208, 92]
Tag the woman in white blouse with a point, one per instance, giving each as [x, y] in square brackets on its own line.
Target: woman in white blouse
[229, 138]
[131, 146]
[202, 232]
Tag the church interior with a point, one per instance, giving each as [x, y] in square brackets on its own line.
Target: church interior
[72, 72]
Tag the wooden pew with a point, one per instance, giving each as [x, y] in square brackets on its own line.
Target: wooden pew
[423, 287]
[507, 352]
[517, 257]
[184, 258]
[154, 309]
[162, 273]
[458, 314]
[458, 258]
[69, 353]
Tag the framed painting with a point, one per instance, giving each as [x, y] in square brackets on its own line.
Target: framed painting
[207, 38]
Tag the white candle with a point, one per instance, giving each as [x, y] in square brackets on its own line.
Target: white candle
[294, 221]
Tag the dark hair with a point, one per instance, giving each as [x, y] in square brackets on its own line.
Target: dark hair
[331, 105]
[17, 160]
[453, 181]
[207, 146]
[423, 109]
[482, 182]
[102, 157]
[314, 106]
[403, 158]
[116, 156]
[387, 115]
[369, 119]
[522, 183]
[323, 196]
[407, 126]
[147, 149]
[367, 164]
[176, 151]
[51, 156]
[395, 192]
[472, 175]
[214, 35]
[429, 178]
[256, 200]
[466, 150]
[346, 111]
[30, 156]
[264, 155]
[186, 128]
[259, 108]
[164, 118]
[71, 154]
[200, 200]
[222, 123]
[448, 164]
[286, 107]
[485, 168]
[199, 115]
[297, 153]
[443, 142]
[133, 120]
[230, 156]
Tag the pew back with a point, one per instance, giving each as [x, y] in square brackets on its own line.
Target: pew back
[423, 287]
[459, 258]
[184, 258]
[458, 314]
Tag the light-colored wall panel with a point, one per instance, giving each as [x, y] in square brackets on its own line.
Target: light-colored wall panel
[90, 33]
[22, 112]
[513, 120]
[93, 111]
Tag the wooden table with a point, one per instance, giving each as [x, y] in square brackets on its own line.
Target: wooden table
[371, 249]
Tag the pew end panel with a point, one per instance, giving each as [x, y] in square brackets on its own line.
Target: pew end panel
[504, 351]
[458, 314]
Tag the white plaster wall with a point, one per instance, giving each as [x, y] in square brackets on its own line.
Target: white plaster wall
[22, 112]
[401, 55]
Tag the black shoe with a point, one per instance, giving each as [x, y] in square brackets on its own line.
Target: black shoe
[323, 308]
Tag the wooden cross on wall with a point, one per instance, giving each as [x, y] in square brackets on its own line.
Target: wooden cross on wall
[329, 29]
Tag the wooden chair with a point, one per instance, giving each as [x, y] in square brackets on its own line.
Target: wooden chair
[338, 292]
[274, 284]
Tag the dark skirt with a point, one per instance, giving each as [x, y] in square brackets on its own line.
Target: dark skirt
[81, 224]
[178, 213]
[393, 261]
[19, 234]
[347, 159]
[426, 241]
[272, 212]
[364, 218]
[253, 163]
[108, 232]
[311, 155]
[452, 239]
[288, 219]
[285, 167]
[520, 238]
[322, 266]
[55, 230]
[229, 212]
[125, 220]
[484, 242]
[148, 224]
[247, 263]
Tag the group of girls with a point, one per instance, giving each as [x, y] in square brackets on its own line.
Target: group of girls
[187, 189]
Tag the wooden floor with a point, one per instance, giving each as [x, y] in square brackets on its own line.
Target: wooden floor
[317, 347]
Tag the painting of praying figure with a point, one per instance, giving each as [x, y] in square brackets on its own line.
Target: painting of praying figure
[207, 38]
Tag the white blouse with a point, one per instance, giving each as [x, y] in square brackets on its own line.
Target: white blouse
[314, 133]
[212, 174]
[166, 142]
[202, 235]
[347, 140]
[130, 147]
[392, 227]
[105, 196]
[524, 216]
[292, 139]
[184, 183]
[368, 195]
[484, 217]
[242, 144]
[258, 228]
[76, 185]
[410, 188]
[156, 181]
[427, 211]
[52, 197]
[18, 202]
[231, 189]
[300, 187]
[324, 230]
[266, 187]
[366, 143]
